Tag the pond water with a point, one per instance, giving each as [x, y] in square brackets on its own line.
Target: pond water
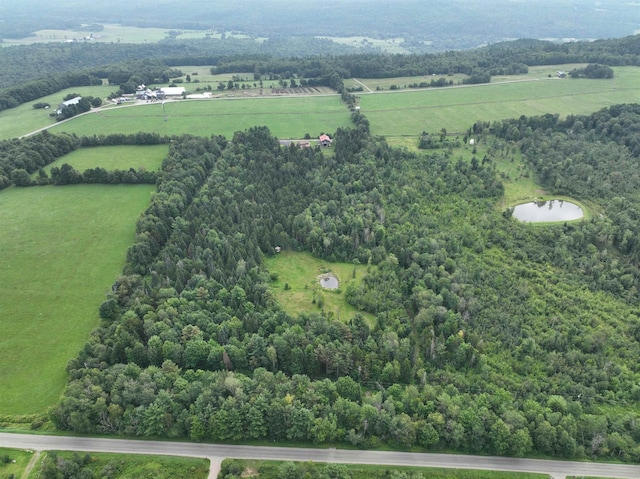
[329, 282]
[546, 211]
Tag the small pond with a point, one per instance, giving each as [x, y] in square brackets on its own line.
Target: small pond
[329, 281]
[547, 211]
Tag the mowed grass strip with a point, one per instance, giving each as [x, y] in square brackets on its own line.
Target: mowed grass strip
[289, 117]
[457, 108]
[300, 271]
[120, 157]
[62, 248]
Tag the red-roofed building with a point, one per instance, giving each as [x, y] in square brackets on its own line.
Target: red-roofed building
[325, 140]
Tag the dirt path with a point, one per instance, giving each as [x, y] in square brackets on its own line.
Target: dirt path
[214, 467]
[365, 86]
[31, 465]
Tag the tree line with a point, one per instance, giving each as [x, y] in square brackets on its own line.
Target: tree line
[20, 158]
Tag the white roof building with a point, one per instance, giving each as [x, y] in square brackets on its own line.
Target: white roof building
[173, 90]
[73, 101]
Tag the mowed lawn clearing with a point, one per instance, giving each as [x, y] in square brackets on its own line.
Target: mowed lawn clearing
[408, 113]
[120, 157]
[298, 289]
[62, 248]
[289, 117]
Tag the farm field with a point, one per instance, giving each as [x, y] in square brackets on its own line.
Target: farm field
[110, 33]
[285, 117]
[204, 77]
[388, 45]
[300, 272]
[62, 249]
[535, 73]
[114, 158]
[399, 115]
[24, 119]
[375, 84]
[455, 109]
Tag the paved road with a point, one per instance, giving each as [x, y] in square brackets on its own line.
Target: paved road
[556, 469]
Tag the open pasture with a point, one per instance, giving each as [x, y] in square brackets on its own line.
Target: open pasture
[120, 157]
[289, 117]
[62, 249]
[456, 108]
[24, 119]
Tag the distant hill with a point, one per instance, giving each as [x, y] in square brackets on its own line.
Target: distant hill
[425, 26]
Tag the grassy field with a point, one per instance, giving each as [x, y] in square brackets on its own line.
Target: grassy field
[9, 467]
[201, 77]
[374, 84]
[271, 469]
[398, 115]
[388, 45]
[24, 119]
[120, 157]
[203, 74]
[407, 113]
[62, 249]
[301, 271]
[519, 181]
[139, 466]
[290, 117]
[111, 33]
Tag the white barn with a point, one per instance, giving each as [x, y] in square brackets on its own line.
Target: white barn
[173, 91]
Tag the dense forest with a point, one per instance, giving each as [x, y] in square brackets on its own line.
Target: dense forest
[40, 61]
[490, 336]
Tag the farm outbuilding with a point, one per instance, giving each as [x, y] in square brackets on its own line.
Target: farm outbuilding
[325, 140]
[173, 91]
[72, 101]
